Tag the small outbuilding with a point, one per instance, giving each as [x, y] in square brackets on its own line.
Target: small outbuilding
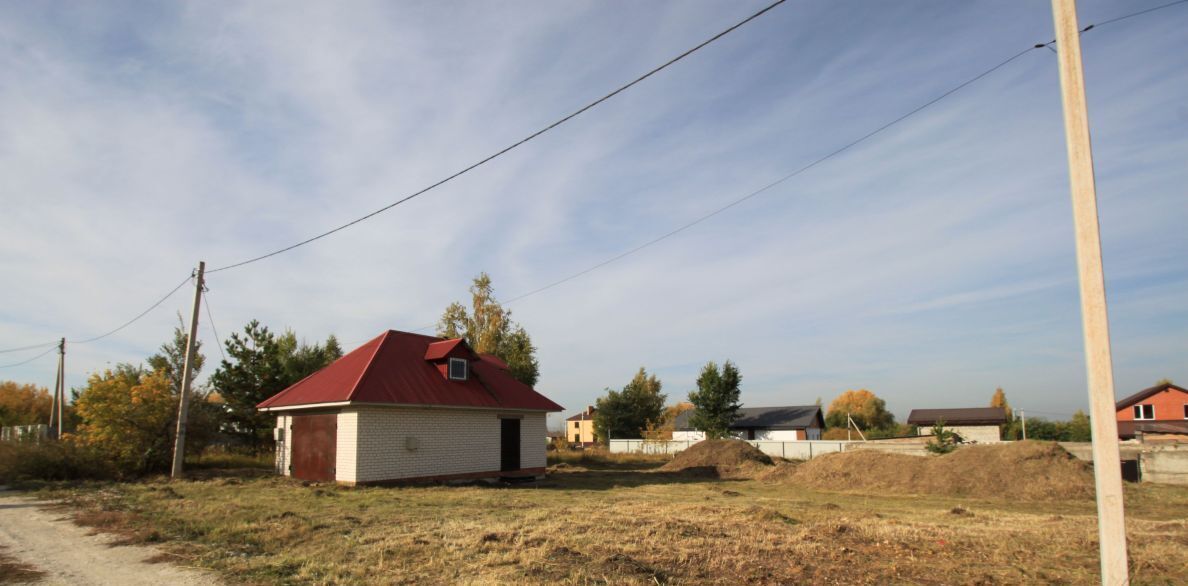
[407, 407]
[973, 424]
[787, 424]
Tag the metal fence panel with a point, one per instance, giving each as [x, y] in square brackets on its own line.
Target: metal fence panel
[790, 450]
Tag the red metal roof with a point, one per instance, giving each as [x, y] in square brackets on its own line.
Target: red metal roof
[439, 350]
[394, 368]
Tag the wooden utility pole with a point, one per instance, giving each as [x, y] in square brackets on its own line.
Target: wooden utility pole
[179, 439]
[59, 393]
[1107, 465]
[61, 386]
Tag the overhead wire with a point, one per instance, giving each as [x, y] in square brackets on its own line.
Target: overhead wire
[210, 318]
[29, 347]
[808, 166]
[138, 316]
[775, 183]
[1139, 13]
[608, 96]
[48, 350]
[510, 147]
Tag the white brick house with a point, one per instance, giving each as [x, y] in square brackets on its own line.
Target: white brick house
[406, 407]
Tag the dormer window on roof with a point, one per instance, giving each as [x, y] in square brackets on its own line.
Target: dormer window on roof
[459, 369]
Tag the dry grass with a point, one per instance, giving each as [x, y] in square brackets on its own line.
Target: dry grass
[1025, 470]
[610, 526]
[13, 571]
[600, 459]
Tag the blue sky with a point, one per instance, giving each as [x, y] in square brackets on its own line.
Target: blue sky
[930, 264]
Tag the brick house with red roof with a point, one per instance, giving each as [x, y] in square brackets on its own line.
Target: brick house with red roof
[1161, 409]
[405, 407]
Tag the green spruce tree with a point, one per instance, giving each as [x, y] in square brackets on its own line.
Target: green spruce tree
[716, 399]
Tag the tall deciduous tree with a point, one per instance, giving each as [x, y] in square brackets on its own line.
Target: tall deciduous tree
[261, 364]
[866, 409]
[489, 329]
[24, 404]
[127, 414]
[999, 400]
[626, 414]
[716, 399]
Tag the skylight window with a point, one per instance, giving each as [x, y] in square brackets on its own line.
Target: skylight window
[459, 369]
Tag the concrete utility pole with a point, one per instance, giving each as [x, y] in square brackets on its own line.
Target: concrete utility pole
[179, 440]
[1023, 419]
[1107, 465]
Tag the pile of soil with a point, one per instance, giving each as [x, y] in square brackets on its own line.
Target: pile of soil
[724, 457]
[1019, 470]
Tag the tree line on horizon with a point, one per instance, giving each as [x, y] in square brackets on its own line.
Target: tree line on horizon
[639, 411]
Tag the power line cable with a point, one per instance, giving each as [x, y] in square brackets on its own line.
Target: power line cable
[580, 111]
[137, 318]
[210, 318]
[779, 181]
[810, 165]
[509, 148]
[1141, 12]
[50, 349]
[124, 325]
[30, 347]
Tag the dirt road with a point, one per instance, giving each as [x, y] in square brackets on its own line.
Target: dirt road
[66, 554]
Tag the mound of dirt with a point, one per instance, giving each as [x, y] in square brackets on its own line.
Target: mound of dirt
[1019, 470]
[726, 457]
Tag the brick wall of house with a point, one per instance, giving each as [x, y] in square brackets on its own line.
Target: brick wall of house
[447, 442]
[1168, 406]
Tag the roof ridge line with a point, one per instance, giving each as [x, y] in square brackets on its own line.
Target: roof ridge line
[370, 362]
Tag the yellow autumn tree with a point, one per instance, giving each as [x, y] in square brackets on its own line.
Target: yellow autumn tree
[127, 415]
[662, 429]
[999, 400]
[866, 409]
[23, 404]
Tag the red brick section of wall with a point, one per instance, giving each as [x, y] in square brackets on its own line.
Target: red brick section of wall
[1169, 406]
[521, 473]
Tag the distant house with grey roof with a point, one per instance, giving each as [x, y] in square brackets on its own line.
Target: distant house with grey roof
[792, 423]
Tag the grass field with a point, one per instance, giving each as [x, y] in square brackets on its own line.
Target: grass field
[617, 522]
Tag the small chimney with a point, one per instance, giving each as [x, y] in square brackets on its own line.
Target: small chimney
[589, 409]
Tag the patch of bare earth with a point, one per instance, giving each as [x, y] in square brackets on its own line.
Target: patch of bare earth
[43, 546]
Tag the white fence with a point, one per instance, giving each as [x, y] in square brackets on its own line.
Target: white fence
[797, 450]
[25, 433]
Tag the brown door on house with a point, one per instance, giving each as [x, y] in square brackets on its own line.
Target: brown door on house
[315, 439]
[509, 444]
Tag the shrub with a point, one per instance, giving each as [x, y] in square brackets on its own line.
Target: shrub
[943, 441]
[64, 460]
